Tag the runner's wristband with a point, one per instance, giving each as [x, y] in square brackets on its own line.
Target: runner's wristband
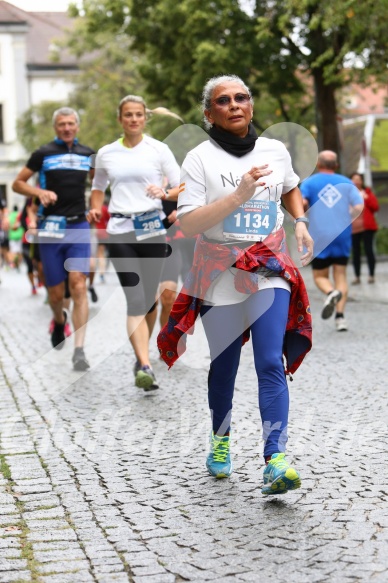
[301, 220]
[165, 195]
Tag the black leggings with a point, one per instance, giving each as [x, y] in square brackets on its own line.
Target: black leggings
[138, 267]
[367, 237]
[27, 257]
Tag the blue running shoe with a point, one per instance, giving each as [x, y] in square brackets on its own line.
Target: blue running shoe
[279, 476]
[218, 461]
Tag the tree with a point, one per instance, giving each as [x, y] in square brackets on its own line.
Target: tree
[274, 49]
[181, 46]
[168, 49]
[35, 126]
[326, 39]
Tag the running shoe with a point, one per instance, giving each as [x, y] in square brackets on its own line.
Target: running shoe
[93, 295]
[145, 379]
[218, 461]
[67, 328]
[340, 325]
[279, 477]
[58, 334]
[79, 360]
[136, 367]
[330, 302]
[34, 291]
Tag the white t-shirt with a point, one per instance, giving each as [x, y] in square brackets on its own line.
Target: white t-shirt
[210, 173]
[129, 171]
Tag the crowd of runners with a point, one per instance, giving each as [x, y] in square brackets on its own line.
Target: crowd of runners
[221, 242]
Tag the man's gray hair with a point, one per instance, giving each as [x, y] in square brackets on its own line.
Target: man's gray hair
[65, 111]
[328, 160]
[211, 84]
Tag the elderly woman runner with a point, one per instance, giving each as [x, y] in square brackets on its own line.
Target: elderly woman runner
[135, 167]
[243, 281]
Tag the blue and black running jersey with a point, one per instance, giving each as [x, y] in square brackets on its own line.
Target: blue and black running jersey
[64, 172]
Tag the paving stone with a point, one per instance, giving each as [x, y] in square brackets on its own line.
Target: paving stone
[116, 577]
[62, 534]
[9, 542]
[12, 564]
[81, 577]
[54, 567]
[17, 576]
[56, 512]
[94, 453]
[73, 554]
[165, 578]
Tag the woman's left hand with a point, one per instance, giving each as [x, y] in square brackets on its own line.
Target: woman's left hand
[172, 217]
[154, 191]
[304, 240]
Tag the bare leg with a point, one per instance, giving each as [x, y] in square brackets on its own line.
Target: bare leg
[31, 278]
[340, 282]
[55, 295]
[322, 280]
[139, 336]
[77, 285]
[101, 259]
[151, 319]
[167, 298]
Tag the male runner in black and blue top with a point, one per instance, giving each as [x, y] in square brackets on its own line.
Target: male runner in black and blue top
[64, 236]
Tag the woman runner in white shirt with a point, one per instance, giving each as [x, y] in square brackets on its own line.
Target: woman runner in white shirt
[135, 166]
[242, 277]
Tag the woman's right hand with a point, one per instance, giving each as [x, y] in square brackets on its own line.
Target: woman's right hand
[93, 216]
[250, 181]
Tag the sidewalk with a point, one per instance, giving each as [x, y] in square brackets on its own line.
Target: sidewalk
[103, 483]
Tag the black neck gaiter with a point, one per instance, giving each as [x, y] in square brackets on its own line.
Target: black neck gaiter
[233, 144]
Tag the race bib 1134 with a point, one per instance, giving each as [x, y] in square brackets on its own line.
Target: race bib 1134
[252, 221]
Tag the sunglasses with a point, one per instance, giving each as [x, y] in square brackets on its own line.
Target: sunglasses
[226, 100]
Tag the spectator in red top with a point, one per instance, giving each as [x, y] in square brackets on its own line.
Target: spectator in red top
[102, 238]
[364, 228]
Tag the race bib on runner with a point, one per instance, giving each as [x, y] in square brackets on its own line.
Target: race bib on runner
[253, 221]
[148, 225]
[53, 227]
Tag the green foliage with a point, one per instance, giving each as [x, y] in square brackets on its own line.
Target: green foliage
[382, 241]
[325, 40]
[165, 50]
[35, 125]
[183, 44]
[379, 154]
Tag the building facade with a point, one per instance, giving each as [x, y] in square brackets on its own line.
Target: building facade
[28, 76]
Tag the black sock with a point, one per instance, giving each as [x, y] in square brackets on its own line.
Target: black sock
[339, 315]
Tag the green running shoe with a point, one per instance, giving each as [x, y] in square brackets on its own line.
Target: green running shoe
[145, 379]
[279, 476]
[218, 461]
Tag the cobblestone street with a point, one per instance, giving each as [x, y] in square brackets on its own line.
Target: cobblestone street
[102, 482]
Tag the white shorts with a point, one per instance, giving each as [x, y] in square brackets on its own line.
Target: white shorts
[15, 246]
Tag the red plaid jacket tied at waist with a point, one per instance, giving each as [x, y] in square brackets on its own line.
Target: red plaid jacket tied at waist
[210, 260]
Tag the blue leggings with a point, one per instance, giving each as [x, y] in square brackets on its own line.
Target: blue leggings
[266, 313]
